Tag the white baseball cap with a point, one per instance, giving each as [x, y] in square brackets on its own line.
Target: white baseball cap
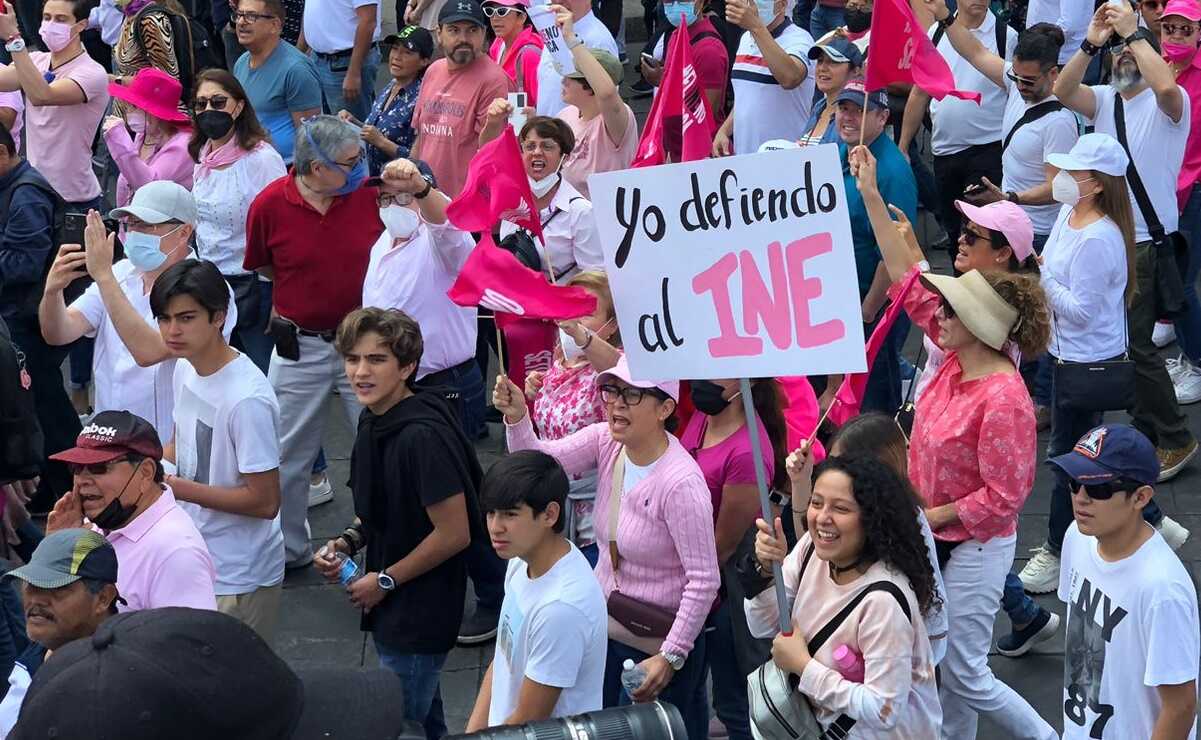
[1100, 152]
[158, 202]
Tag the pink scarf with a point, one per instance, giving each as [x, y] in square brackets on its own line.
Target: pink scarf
[221, 157]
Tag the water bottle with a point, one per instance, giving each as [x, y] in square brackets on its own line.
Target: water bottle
[632, 676]
[349, 571]
[849, 663]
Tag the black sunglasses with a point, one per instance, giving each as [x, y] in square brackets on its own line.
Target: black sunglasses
[217, 102]
[1106, 491]
[92, 468]
[947, 309]
[1025, 81]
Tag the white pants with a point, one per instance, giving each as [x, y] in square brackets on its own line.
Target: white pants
[303, 389]
[975, 577]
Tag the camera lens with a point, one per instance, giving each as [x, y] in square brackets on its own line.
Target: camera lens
[656, 721]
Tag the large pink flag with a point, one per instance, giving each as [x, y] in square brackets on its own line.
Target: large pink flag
[680, 121]
[496, 188]
[901, 52]
[849, 397]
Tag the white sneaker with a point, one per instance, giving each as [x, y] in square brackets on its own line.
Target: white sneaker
[1173, 532]
[320, 493]
[1163, 334]
[1177, 366]
[1188, 385]
[1041, 574]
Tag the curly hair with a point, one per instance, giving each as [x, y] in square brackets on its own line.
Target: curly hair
[892, 535]
[1032, 331]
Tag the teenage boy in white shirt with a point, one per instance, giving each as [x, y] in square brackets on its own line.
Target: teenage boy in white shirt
[1133, 643]
[552, 640]
[226, 447]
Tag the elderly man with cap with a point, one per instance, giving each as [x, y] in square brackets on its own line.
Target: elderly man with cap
[131, 365]
[69, 587]
[194, 675]
[119, 489]
[1132, 637]
[455, 94]
[388, 130]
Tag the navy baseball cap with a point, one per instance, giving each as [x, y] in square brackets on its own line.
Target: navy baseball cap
[1108, 452]
[838, 49]
[854, 92]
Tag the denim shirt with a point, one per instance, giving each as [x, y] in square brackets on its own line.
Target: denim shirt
[395, 122]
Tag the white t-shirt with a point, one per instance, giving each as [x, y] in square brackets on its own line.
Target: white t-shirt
[763, 110]
[120, 383]
[1023, 162]
[635, 474]
[1072, 16]
[1156, 147]
[226, 426]
[553, 630]
[10, 707]
[959, 124]
[414, 276]
[1084, 275]
[1132, 626]
[329, 25]
[595, 35]
[223, 199]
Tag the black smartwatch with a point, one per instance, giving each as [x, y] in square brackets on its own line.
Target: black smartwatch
[429, 185]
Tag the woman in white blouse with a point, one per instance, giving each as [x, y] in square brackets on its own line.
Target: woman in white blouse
[234, 162]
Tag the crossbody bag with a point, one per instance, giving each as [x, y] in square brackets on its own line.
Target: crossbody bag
[1105, 385]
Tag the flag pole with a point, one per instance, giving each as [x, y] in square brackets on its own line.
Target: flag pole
[748, 409]
[500, 349]
[813, 435]
[863, 121]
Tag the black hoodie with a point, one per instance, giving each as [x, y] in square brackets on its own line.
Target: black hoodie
[413, 456]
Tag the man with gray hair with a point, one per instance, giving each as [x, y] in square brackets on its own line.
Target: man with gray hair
[311, 232]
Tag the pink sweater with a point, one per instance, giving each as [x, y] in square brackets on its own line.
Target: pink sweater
[170, 162]
[664, 531]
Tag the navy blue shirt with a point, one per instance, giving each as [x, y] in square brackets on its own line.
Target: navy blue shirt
[395, 122]
[894, 177]
[26, 238]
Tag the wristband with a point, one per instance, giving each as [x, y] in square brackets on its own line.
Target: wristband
[1089, 48]
[577, 42]
[428, 187]
[15, 44]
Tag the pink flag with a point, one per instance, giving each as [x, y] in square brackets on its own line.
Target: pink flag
[901, 52]
[680, 122]
[493, 278]
[496, 188]
[849, 397]
[801, 413]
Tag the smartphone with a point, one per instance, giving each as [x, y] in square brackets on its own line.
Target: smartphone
[650, 60]
[73, 225]
[519, 101]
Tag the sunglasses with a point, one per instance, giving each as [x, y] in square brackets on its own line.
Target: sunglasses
[92, 468]
[216, 102]
[1024, 81]
[947, 309]
[1175, 30]
[1106, 491]
[498, 11]
[972, 237]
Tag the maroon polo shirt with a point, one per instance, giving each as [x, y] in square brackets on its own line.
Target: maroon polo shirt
[320, 260]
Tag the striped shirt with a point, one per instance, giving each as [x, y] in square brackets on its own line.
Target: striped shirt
[764, 110]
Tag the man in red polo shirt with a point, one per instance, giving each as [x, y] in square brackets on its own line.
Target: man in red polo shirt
[311, 232]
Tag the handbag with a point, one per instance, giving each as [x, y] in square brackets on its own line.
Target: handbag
[1169, 253]
[1104, 385]
[778, 710]
[908, 409]
[632, 621]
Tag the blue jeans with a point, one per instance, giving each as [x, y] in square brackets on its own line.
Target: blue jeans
[1188, 326]
[1020, 607]
[824, 19]
[420, 676]
[332, 72]
[686, 692]
[591, 553]
[729, 685]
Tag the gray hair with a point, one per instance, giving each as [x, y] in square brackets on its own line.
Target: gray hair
[320, 139]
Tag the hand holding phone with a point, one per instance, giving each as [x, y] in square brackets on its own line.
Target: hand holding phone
[519, 101]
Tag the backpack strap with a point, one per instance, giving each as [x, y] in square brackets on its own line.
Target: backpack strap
[1032, 114]
[1136, 183]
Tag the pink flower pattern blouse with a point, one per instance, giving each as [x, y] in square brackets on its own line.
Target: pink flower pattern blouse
[974, 442]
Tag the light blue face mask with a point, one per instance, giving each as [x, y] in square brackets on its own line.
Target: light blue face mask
[354, 178]
[767, 10]
[674, 9]
[145, 250]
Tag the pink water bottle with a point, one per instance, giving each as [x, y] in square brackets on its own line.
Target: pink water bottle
[849, 663]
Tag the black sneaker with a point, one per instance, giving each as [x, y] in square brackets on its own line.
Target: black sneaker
[1018, 642]
[479, 626]
[641, 88]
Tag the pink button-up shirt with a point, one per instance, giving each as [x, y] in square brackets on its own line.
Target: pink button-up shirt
[170, 161]
[1190, 169]
[162, 559]
[973, 443]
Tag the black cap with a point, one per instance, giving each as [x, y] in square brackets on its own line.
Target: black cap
[462, 10]
[192, 674]
[414, 38]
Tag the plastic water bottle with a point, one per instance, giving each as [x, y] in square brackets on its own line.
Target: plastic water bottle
[349, 571]
[632, 676]
[849, 663]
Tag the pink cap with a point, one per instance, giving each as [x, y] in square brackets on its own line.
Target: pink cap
[1007, 218]
[510, 3]
[621, 371]
[1189, 9]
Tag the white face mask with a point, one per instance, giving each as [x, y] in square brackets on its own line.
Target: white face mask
[571, 350]
[1066, 189]
[136, 120]
[543, 186]
[400, 221]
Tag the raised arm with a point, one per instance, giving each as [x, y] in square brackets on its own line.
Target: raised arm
[911, 120]
[608, 97]
[969, 47]
[789, 71]
[1154, 69]
[1068, 87]
[899, 250]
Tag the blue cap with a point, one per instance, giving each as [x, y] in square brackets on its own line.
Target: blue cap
[838, 49]
[854, 92]
[1108, 452]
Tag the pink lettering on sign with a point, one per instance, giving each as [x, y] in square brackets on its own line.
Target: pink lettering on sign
[780, 309]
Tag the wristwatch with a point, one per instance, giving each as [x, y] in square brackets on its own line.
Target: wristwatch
[14, 45]
[1012, 197]
[675, 660]
[1089, 48]
[429, 185]
[779, 498]
[576, 41]
[385, 581]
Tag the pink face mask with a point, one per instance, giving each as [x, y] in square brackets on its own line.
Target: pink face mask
[1178, 53]
[56, 35]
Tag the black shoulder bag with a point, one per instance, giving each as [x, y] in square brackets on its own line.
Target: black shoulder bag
[1169, 256]
[1107, 385]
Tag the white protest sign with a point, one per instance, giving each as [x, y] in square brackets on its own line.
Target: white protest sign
[543, 19]
[733, 268]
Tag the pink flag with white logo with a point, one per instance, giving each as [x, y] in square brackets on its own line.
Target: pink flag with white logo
[680, 121]
[496, 189]
[901, 52]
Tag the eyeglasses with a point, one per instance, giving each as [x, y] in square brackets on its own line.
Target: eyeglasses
[1019, 80]
[92, 468]
[399, 199]
[1174, 30]
[630, 395]
[545, 145]
[216, 102]
[1105, 491]
[947, 309]
[498, 11]
[249, 17]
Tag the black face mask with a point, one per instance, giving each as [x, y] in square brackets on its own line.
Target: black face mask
[857, 20]
[214, 124]
[706, 396]
[116, 514]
